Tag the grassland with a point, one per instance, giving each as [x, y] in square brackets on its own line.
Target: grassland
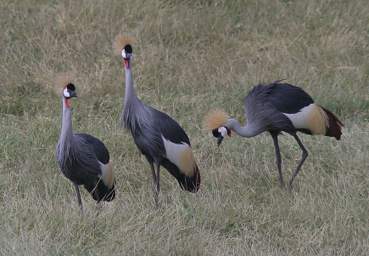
[190, 56]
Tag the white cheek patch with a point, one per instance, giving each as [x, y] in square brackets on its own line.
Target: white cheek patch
[223, 131]
[124, 54]
[66, 93]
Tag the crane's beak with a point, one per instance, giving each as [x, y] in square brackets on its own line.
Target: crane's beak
[219, 141]
[218, 135]
[72, 94]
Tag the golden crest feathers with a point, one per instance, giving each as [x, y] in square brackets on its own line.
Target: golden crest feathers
[215, 119]
[120, 41]
[61, 80]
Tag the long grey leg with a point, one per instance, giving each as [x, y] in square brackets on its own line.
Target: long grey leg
[98, 207]
[154, 184]
[78, 196]
[278, 158]
[157, 190]
[153, 173]
[303, 157]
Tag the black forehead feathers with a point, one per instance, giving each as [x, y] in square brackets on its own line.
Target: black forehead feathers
[128, 48]
[216, 133]
[71, 87]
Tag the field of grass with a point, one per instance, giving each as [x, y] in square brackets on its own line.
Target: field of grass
[190, 57]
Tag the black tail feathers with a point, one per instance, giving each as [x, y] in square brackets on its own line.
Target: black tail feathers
[188, 183]
[100, 192]
[334, 128]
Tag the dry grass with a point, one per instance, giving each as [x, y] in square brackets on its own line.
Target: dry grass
[190, 57]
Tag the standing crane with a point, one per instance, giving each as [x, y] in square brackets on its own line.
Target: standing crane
[82, 158]
[159, 138]
[276, 108]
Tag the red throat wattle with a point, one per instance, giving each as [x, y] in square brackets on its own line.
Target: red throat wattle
[68, 102]
[126, 63]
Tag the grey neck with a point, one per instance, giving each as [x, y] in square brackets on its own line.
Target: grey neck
[66, 134]
[133, 112]
[244, 131]
[129, 89]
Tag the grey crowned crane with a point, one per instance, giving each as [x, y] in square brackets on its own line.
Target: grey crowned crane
[82, 158]
[159, 138]
[276, 108]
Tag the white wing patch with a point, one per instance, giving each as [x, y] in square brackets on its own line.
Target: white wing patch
[181, 155]
[311, 117]
[107, 174]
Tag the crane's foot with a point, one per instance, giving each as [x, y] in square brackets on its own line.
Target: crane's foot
[98, 208]
[156, 201]
[289, 187]
[281, 183]
[82, 211]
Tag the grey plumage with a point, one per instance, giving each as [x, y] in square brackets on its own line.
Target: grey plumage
[262, 114]
[280, 107]
[158, 136]
[82, 158]
[138, 119]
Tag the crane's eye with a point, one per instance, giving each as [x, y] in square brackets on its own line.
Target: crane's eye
[216, 133]
[70, 91]
[127, 52]
[223, 131]
[71, 87]
[128, 49]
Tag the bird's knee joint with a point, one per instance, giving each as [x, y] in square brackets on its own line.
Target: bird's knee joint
[305, 154]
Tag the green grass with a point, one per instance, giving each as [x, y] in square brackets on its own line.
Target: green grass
[190, 57]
